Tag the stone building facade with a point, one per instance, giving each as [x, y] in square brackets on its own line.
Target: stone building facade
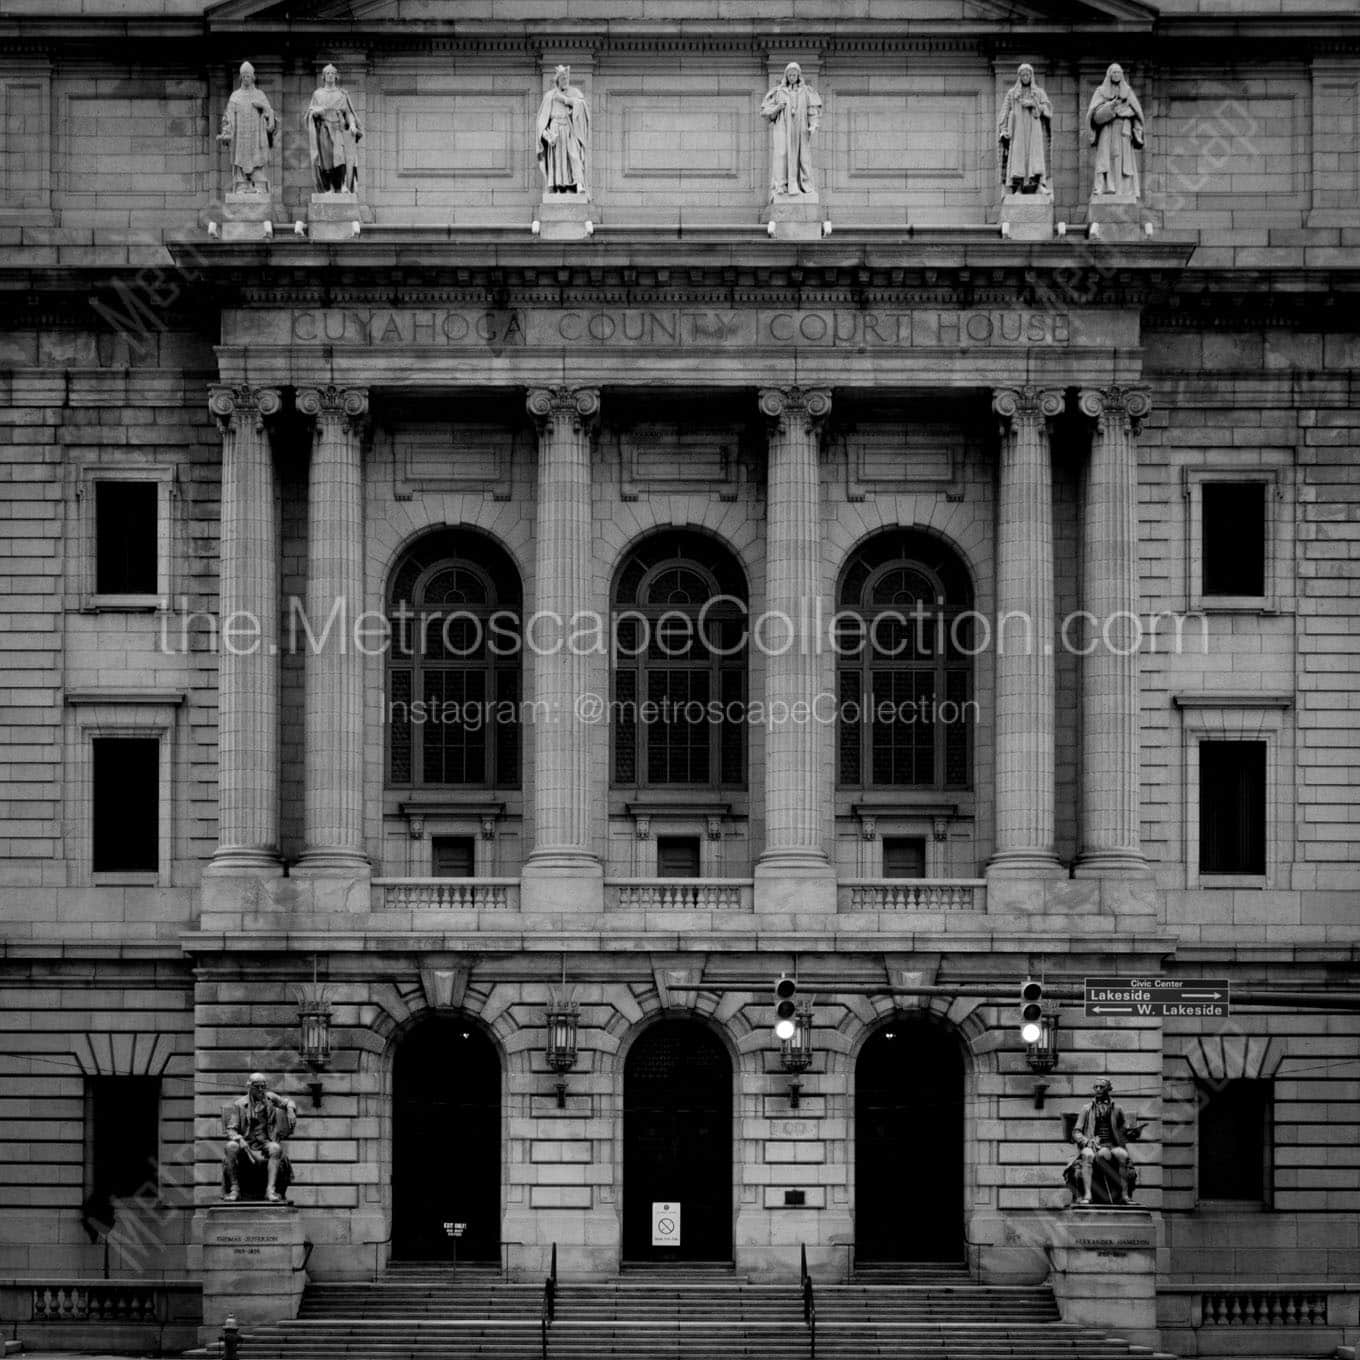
[208, 438]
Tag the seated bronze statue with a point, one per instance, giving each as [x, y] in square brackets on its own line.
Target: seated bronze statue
[1102, 1172]
[254, 1164]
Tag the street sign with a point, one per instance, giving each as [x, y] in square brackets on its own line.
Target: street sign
[665, 1224]
[1132, 997]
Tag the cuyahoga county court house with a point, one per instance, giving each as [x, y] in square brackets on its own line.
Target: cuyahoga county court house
[516, 544]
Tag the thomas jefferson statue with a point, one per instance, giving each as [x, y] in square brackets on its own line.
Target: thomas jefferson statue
[248, 128]
[794, 112]
[257, 1126]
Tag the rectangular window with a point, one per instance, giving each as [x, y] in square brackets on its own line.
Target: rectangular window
[904, 857]
[126, 804]
[1233, 538]
[126, 538]
[453, 857]
[1235, 1138]
[677, 857]
[1232, 807]
[122, 1133]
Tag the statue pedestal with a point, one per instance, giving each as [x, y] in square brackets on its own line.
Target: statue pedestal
[245, 215]
[333, 216]
[1104, 1270]
[796, 217]
[563, 217]
[1112, 217]
[251, 1258]
[1029, 216]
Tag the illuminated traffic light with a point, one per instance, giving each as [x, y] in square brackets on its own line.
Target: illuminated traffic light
[785, 1007]
[1031, 1011]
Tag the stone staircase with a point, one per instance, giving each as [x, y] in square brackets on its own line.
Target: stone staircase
[415, 1313]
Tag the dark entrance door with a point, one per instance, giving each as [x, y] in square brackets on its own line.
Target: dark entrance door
[677, 1142]
[446, 1143]
[909, 1145]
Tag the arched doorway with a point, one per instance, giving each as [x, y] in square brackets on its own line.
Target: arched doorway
[909, 1144]
[446, 1142]
[677, 1141]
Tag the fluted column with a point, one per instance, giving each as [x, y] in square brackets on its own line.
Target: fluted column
[248, 659]
[1109, 667]
[794, 751]
[333, 770]
[563, 573]
[1025, 637]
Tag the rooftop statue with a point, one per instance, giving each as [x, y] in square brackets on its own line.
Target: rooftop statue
[794, 111]
[333, 134]
[1022, 132]
[563, 128]
[248, 127]
[1117, 132]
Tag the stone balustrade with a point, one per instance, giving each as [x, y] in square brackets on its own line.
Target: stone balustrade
[912, 894]
[1285, 1307]
[448, 894]
[678, 894]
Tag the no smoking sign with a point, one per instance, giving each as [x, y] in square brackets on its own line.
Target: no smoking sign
[665, 1224]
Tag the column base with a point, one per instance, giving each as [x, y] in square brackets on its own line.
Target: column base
[794, 882]
[562, 880]
[332, 862]
[1024, 864]
[243, 861]
[1110, 864]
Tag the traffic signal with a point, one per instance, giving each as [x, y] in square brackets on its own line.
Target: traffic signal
[785, 1006]
[1031, 1011]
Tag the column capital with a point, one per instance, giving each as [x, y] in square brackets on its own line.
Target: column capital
[1015, 404]
[348, 404]
[1130, 404]
[229, 403]
[783, 404]
[547, 406]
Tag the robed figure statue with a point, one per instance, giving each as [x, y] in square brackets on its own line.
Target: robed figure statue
[248, 127]
[333, 133]
[563, 129]
[794, 112]
[1116, 119]
[1022, 132]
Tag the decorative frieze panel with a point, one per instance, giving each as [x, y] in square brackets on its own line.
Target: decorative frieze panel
[703, 141]
[903, 458]
[25, 142]
[666, 458]
[476, 135]
[458, 458]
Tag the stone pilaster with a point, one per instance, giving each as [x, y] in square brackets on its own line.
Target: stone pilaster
[793, 873]
[562, 871]
[1025, 635]
[248, 653]
[333, 766]
[1109, 669]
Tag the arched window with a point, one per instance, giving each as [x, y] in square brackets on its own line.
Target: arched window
[905, 665]
[453, 675]
[680, 664]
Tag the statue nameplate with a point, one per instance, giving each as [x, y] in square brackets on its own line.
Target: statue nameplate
[682, 328]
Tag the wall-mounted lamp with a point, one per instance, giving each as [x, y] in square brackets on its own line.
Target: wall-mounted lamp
[795, 1052]
[563, 1018]
[1042, 1053]
[314, 1032]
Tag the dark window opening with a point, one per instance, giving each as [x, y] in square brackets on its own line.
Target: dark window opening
[1235, 1140]
[1232, 807]
[680, 664]
[905, 645]
[1233, 544]
[126, 804]
[453, 856]
[125, 516]
[677, 856]
[904, 857]
[123, 1136]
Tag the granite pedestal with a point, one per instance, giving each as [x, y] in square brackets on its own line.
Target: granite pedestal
[1029, 217]
[333, 216]
[796, 217]
[246, 216]
[252, 1259]
[1104, 1270]
[564, 217]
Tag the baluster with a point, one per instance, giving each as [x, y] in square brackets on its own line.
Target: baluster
[1221, 1309]
[1291, 1315]
[1317, 1310]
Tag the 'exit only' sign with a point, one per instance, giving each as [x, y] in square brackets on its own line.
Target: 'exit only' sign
[1133, 996]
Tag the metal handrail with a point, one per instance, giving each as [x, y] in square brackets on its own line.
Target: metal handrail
[549, 1303]
[809, 1302]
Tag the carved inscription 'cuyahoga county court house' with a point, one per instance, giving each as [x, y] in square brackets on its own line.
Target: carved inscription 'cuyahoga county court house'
[937, 423]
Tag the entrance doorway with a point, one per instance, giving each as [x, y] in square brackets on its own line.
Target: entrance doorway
[909, 1145]
[446, 1143]
[677, 1142]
